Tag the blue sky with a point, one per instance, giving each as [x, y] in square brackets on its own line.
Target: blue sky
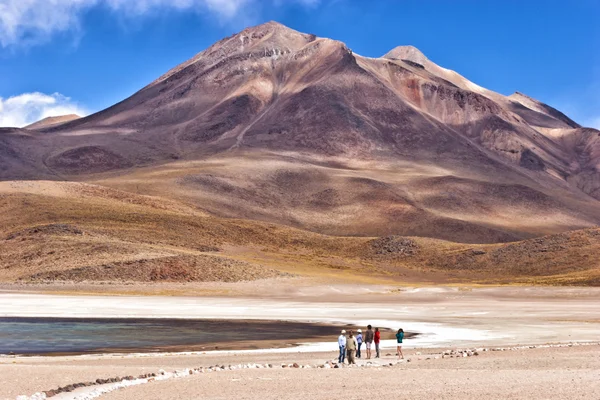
[60, 56]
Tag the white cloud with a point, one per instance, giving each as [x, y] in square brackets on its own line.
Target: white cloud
[27, 108]
[26, 22]
[223, 8]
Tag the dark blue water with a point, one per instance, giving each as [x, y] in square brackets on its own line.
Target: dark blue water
[61, 335]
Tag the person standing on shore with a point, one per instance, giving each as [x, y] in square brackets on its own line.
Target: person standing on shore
[377, 339]
[351, 346]
[368, 341]
[342, 345]
[399, 338]
[359, 340]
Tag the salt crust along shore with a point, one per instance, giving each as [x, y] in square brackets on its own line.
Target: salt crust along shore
[92, 390]
[442, 318]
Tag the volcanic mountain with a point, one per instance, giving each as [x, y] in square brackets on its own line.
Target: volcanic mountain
[283, 127]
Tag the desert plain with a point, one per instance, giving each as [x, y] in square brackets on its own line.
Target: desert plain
[531, 342]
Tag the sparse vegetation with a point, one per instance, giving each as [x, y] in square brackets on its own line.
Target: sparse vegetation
[72, 232]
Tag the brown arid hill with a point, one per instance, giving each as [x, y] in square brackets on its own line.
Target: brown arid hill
[275, 128]
[49, 122]
[89, 233]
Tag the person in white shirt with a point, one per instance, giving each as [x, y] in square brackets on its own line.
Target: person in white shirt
[342, 345]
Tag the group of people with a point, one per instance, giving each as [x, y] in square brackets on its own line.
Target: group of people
[350, 345]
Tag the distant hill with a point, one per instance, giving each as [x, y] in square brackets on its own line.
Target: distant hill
[52, 121]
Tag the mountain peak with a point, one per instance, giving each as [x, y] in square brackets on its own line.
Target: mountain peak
[273, 31]
[270, 36]
[269, 24]
[410, 53]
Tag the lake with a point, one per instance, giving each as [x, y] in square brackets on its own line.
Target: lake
[30, 336]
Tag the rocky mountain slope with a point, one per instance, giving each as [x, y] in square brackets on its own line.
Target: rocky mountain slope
[275, 125]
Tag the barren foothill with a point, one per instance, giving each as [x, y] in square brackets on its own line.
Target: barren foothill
[67, 234]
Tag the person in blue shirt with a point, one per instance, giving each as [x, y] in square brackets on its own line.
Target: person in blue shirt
[359, 340]
[399, 338]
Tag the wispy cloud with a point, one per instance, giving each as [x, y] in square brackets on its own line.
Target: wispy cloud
[224, 8]
[27, 22]
[27, 108]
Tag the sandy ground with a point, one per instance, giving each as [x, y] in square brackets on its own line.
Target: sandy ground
[445, 317]
[551, 373]
[557, 374]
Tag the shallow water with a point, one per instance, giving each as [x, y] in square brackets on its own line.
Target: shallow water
[72, 335]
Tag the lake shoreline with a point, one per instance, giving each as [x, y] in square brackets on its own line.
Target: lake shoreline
[275, 334]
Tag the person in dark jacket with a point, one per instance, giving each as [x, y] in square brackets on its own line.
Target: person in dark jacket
[369, 340]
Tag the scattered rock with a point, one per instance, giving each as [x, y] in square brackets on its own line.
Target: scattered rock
[393, 246]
